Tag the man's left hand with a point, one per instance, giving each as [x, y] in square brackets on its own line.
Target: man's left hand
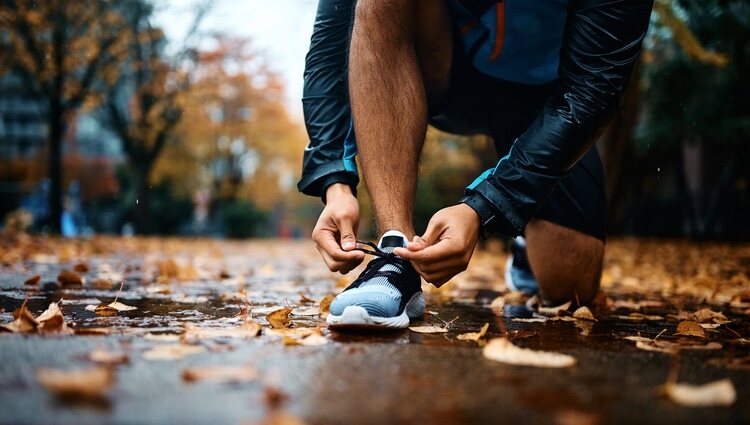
[446, 246]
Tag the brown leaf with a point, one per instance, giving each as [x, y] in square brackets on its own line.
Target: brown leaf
[81, 268]
[304, 299]
[428, 329]
[246, 330]
[33, 280]
[108, 358]
[220, 373]
[168, 268]
[690, 328]
[102, 284]
[474, 336]
[279, 319]
[583, 313]
[498, 304]
[705, 315]
[325, 305]
[172, 351]
[52, 321]
[504, 351]
[717, 393]
[69, 278]
[24, 321]
[93, 382]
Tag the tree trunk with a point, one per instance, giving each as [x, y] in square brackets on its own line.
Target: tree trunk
[56, 123]
[142, 201]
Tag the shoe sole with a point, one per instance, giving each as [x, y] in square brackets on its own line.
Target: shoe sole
[356, 317]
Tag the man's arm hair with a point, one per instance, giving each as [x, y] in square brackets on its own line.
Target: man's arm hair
[601, 44]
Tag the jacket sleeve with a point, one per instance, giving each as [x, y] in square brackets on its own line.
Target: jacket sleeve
[602, 42]
[330, 155]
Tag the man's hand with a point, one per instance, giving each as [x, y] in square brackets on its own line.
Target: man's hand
[446, 246]
[335, 234]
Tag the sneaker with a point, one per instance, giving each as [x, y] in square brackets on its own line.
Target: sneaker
[518, 274]
[386, 295]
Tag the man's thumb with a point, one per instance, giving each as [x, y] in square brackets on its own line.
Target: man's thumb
[348, 240]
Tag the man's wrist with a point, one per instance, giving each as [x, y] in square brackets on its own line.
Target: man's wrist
[337, 190]
[485, 212]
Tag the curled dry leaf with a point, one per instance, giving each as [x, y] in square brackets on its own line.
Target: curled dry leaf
[304, 299]
[69, 278]
[52, 321]
[717, 393]
[108, 358]
[325, 305]
[33, 280]
[504, 351]
[220, 373]
[24, 321]
[93, 382]
[690, 328]
[706, 315]
[172, 351]
[583, 313]
[498, 304]
[428, 329]
[474, 336]
[110, 309]
[279, 319]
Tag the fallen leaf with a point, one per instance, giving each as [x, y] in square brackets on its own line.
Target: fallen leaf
[504, 351]
[325, 305]
[81, 268]
[555, 310]
[101, 283]
[291, 332]
[428, 329]
[638, 317]
[279, 319]
[52, 321]
[583, 313]
[92, 331]
[314, 338]
[168, 268]
[107, 357]
[474, 336]
[658, 346]
[309, 311]
[304, 299]
[246, 330]
[24, 321]
[33, 280]
[172, 351]
[717, 393]
[93, 382]
[690, 328]
[497, 304]
[220, 373]
[705, 315]
[69, 278]
[710, 325]
[530, 319]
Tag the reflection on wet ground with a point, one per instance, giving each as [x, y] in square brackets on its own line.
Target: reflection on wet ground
[372, 377]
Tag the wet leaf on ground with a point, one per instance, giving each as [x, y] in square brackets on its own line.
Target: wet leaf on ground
[583, 313]
[33, 280]
[220, 373]
[69, 278]
[279, 319]
[172, 351]
[690, 328]
[93, 382]
[504, 351]
[428, 329]
[474, 336]
[717, 393]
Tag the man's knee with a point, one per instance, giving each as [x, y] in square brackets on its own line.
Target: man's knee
[567, 264]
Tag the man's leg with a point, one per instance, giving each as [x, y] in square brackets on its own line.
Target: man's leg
[394, 64]
[567, 264]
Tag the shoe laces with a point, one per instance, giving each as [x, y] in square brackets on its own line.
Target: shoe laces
[373, 269]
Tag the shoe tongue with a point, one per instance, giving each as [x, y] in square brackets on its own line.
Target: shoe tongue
[392, 239]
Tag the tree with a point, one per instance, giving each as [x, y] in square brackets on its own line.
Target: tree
[69, 53]
[144, 107]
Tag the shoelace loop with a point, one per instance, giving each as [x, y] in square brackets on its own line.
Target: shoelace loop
[373, 268]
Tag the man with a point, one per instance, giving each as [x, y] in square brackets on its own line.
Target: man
[541, 77]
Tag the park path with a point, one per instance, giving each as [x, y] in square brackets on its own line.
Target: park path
[233, 332]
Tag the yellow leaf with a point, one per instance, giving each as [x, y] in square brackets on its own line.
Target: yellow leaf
[279, 319]
[502, 350]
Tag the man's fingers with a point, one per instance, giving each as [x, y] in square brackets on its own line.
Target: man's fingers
[348, 238]
[327, 242]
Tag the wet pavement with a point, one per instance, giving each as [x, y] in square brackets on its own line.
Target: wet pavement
[395, 377]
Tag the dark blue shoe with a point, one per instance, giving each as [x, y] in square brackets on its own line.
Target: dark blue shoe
[518, 274]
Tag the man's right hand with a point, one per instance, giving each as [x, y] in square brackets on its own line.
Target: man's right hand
[335, 234]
